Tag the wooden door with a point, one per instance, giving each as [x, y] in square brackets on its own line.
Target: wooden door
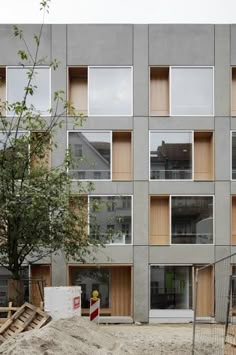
[205, 295]
[121, 291]
[39, 272]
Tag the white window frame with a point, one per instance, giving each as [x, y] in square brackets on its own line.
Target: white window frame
[170, 131]
[92, 131]
[170, 83]
[123, 195]
[170, 219]
[131, 83]
[36, 68]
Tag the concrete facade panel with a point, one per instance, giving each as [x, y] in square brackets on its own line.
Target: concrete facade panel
[141, 215]
[100, 44]
[222, 148]
[141, 284]
[10, 45]
[105, 123]
[123, 187]
[233, 44]
[141, 148]
[141, 70]
[181, 188]
[222, 213]
[59, 76]
[181, 123]
[222, 70]
[181, 44]
[177, 254]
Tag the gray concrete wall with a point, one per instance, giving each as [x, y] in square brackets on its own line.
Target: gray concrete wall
[142, 46]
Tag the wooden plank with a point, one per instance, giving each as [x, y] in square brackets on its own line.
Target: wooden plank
[159, 91]
[122, 156]
[121, 291]
[159, 220]
[78, 89]
[205, 300]
[42, 272]
[26, 318]
[203, 156]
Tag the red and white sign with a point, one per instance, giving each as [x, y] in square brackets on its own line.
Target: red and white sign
[94, 310]
[76, 302]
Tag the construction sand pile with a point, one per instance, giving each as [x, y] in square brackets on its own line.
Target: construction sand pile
[73, 336]
[78, 336]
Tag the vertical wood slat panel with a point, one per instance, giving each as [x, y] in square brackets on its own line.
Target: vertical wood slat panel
[121, 156]
[233, 221]
[205, 300]
[40, 272]
[159, 220]
[203, 156]
[121, 291]
[44, 161]
[159, 91]
[78, 89]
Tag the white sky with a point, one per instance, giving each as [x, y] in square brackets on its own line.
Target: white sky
[120, 11]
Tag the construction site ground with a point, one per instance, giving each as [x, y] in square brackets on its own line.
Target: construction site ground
[78, 336]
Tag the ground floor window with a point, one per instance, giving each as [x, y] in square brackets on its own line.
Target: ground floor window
[171, 287]
[91, 279]
[114, 284]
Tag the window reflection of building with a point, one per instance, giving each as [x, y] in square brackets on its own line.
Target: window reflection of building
[112, 217]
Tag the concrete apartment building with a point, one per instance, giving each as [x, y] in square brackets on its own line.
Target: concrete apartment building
[159, 143]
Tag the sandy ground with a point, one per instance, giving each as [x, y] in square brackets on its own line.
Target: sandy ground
[78, 336]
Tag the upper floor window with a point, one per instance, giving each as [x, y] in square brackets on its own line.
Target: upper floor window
[16, 82]
[101, 91]
[100, 155]
[110, 218]
[176, 155]
[91, 155]
[181, 220]
[171, 155]
[181, 91]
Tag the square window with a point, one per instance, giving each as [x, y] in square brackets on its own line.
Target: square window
[191, 91]
[110, 91]
[17, 81]
[192, 220]
[170, 155]
[111, 218]
[91, 155]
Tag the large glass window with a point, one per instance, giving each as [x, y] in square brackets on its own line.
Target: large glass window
[171, 287]
[191, 91]
[170, 155]
[234, 155]
[91, 279]
[17, 81]
[110, 218]
[14, 160]
[192, 220]
[110, 91]
[91, 155]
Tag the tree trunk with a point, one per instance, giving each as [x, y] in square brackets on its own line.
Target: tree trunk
[16, 292]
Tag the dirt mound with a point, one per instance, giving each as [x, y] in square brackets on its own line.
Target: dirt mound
[72, 336]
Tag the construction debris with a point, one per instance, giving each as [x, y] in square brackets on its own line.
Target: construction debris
[74, 336]
[27, 317]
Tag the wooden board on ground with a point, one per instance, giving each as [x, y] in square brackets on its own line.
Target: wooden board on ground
[27, 317]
